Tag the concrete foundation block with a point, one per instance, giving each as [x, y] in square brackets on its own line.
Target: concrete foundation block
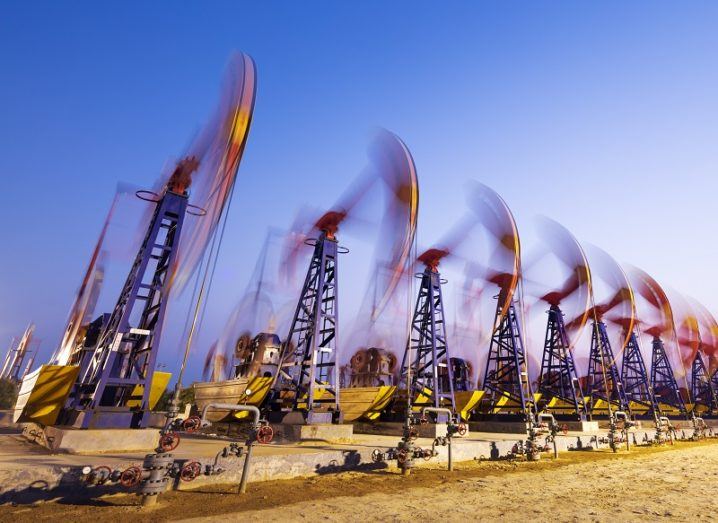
[327, 432]
[91, 441]
[396, 428]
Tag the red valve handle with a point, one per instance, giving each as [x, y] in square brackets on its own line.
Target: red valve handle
[564, 429]
[190, 471]
[191, 424]
[462, 429]
[265, 433]
[169, 441]
[131, 477]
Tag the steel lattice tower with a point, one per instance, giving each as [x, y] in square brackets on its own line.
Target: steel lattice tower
[558, 376]
[428, 348]
[506, 371]
[123, 362]
[313, 371]
[634, 376]
[702, 389]
[602, 370]
[665, 387]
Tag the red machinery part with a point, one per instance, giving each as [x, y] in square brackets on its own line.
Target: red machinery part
[462, 429]
[564, 429]
[190, 471]
[192, 424]
[169, 441]
[131, 477]
[265, 433]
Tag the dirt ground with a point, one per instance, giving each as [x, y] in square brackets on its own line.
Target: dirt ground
[678, 483]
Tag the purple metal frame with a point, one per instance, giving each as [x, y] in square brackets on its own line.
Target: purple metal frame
[702, 388]
[314, 333]
[428, 348]
[558, 378]
[506, 370]
[601, 361]
[665, 387]
[634, 377]
[123, 360]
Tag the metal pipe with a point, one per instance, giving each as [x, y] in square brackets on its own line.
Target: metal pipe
[250, 442]
[442, 410]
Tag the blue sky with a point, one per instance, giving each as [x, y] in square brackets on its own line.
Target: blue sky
[602, 116]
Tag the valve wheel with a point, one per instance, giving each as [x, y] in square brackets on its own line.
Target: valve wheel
[401, 457]
[377, 456]
[462, 429]
[413, 433]
[191, 424]
[564, 428]
[131, 477]
[265, 433]
[169, 441]
[97, 473]
[423, 420]
[190, 471]
[427, 455]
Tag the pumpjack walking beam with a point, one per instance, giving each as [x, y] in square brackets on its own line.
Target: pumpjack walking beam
[114, 388]
[665, 387]
[506, 370]
[427, 350]
[311, 369]
[559, 378]
[634, 377]
[603, 376]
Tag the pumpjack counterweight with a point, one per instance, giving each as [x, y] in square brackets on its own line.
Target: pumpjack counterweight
[313, 372]
[427, 355]
[702, 389]
[558, 378]
[634, 377]
[113, 388]
[506, 371]
[603, 377]
[665, 387]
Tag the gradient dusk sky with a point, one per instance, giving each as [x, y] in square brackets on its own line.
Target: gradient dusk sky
[603, 116]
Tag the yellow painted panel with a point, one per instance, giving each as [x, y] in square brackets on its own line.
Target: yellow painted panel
[44, 392]
[368, 402]
[257, 389]
[385, 395]
[466, 400]
[158, 386]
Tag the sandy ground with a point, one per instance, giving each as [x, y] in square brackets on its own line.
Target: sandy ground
[679, 483]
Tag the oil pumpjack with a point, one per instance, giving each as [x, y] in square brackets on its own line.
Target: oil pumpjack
[426, 370]
[506, 381]
[308, 378]
[427, 347]
[634, 377]
[659, 322]
[558, 381]
[13, 368]
[310, 371]
[114, 384]
[702, 390]
[604, 387]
